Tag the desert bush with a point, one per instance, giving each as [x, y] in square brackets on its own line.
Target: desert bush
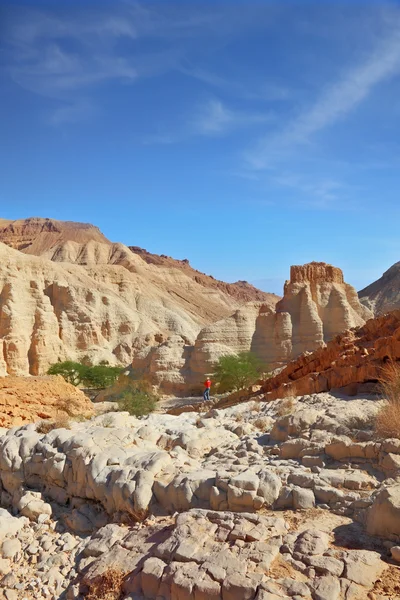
[136, 397]
[95, 377]
[387, 424]
[107, 586]
[237, 372]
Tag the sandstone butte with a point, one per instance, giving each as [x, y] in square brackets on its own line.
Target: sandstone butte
[66, 292]
[317, 305]
[29, 399]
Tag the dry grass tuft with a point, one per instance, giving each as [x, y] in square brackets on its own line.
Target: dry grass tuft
[61, 422]
[285, 407]
[262, 423]
[387, 423]
[107, 586]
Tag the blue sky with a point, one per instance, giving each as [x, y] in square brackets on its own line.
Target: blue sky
[244, 136]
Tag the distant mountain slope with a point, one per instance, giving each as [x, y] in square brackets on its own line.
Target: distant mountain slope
[383, 295]
[242, 290]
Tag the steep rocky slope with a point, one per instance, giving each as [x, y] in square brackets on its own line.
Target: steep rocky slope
[383, 295]
[317, 304]
[86, 298]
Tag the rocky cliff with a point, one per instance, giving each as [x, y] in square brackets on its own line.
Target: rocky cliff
[66, 292]
[317, 305]
[383, 295]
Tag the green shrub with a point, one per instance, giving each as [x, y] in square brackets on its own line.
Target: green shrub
[137, 398]
[236, 372]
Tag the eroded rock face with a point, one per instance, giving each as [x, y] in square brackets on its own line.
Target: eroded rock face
[317, 305]
[30, 399]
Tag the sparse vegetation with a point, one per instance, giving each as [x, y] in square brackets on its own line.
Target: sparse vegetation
[237, 372]
[388, 418]
[45, 426]
[96, 377]
[67, 411]
[285, 407]
[136, 397]
[108, 586]
[262, 423]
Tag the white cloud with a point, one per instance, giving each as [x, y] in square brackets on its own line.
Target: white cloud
[335, 102]
[215, 118]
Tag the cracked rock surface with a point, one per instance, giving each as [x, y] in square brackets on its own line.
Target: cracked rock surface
[260, 501]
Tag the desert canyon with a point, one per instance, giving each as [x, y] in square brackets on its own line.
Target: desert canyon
[283, 491]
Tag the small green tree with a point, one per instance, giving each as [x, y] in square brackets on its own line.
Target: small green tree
[236, 372]
[136, 397]
[97, 377]
[73, 372]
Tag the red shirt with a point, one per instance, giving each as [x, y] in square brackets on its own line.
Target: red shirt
[207, 383]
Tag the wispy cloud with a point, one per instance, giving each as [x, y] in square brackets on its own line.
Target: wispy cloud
[255, 90]
[320, 192]
[72, 113]
[215, 118]
[61, 57]
[335, 101]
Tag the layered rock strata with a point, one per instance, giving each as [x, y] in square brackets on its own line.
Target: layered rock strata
[52, 311]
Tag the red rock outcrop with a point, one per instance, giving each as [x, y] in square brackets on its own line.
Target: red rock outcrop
[30, 399]
[352, 358]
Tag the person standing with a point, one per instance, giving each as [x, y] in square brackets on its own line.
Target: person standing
[207, 386]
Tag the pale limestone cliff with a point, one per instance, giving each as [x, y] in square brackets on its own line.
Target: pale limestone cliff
[51, 311]
[317, 305]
